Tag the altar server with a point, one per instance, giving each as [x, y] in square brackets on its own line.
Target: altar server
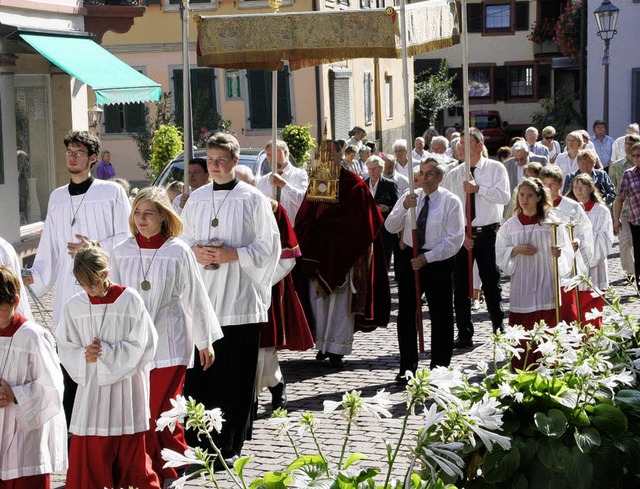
[33, 440]
[9, 258]
[107, 342]
[164, 271]
[232, 230]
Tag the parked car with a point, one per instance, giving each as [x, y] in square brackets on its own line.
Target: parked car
[252, 157]
[492, 127]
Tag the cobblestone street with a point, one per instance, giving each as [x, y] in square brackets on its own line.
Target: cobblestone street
[372, 366]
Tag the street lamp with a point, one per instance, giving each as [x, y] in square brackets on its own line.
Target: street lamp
[95, 116]
[606, 18]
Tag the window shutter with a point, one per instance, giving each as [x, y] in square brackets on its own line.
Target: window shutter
[522, 16]
[500, 83]
[259, 98]
[340, 97]
[544, 81]
[456, 86]
[474, 17]
[113, 118]
[635, 94]
[284, 97]
[135, 117]
[177, 97]
[2, 156]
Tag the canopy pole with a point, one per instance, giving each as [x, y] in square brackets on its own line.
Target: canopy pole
[186, 95]
[467, 140]
[412, 210]
[274, 132]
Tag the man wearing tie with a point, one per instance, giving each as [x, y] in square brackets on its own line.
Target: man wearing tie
[488, 191]
[440, 230]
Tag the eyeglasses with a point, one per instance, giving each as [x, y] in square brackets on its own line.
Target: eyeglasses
[75, 154]
[548, 137]
[635, 155]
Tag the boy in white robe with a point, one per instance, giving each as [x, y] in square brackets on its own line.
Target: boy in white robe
[238, 275]
[33, 440]
[85, 210]
[107, 341]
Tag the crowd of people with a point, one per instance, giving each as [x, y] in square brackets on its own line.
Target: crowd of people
[194, 290]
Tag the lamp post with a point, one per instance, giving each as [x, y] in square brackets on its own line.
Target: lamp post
[606, 18]
[95, 116]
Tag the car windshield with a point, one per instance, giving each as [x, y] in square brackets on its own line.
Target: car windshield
[485, 121]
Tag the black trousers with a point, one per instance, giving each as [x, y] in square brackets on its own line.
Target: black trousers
[436, 282]
[484, 252]
[229, 384]
[635, 239]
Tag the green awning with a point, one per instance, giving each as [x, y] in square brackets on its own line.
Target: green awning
[113, 80]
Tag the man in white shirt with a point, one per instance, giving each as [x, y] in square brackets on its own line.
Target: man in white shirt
[618, 151]
[418, 151]
[440, 224]
[402, 160]
[488, 191]
[290, 183]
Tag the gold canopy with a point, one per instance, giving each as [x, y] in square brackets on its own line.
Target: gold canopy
[263, 41]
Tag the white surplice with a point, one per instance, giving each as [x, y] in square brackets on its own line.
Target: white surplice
[292, 194]
[9, 258]
[570, 211]
[602, 224]
[113, 392]
[177, 301]
[102, 216]
[531, 287]
[34, 431]
[240, 291]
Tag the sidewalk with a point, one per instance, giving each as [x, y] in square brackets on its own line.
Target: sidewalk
[372, 366]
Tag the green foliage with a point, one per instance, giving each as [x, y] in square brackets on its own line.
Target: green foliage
[142, 138]
[557, 111]
[433, 93]
[300, 142]
[166, 144]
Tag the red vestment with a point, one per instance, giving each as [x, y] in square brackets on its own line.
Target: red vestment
[336, 237]
[287, 327]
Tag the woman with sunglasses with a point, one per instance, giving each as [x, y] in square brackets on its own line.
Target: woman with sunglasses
[549, 142]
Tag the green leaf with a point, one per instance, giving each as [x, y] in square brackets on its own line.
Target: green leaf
[554, 425]
[520, 482]
[527, 447]
[238, 465]
[315, 460]
[587, 439]
[354, 457]
[609, 419]
[629, 399]
[553, 454]
[579, 469]
[500, 464]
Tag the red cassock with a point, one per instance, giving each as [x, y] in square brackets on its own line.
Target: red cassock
[337, 237]
[287, 327]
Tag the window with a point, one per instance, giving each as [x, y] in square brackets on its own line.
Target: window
[480, 82]
[261, 3]
[124, 118]
[259, 84]
[635, 94]
[368, 97]
[203, 98]
[369, 3]
[521, 81]
[497, 17]
[232, 85]
[176, 3]
[1, 153]
[388, 92]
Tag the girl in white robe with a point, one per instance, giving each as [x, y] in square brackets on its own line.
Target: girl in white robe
[33, 430]
[164, 271]
[584, 191]
[9, 258]
[525, 253]
[107, 341]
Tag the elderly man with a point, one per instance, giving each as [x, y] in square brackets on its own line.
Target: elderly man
[439, 145]
[630, 189]
[586, 164]
[515, 165]
[440, 235]
[363, 154]
[418, 151]
[618, 150]
[488, 189]
[535, 147]
[290, 182]
[616, 170]
[389, 173]
[602, 142]
[402, 160]
[385, 194]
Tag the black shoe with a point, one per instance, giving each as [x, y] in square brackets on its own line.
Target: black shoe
[461, 344]
[335, 360]
[499, 328]
[320, 356]
[401, 379]
[278, 396]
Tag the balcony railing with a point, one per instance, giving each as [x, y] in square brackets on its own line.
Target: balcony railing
[122, 3]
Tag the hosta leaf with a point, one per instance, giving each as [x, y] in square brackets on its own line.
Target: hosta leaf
[552, 425]
[587, 439]
[500, 464]
[315, 460]
[629, 399]
[354, 457]
[238, 465]
[553, 454]
[579, 469]
[609, 419]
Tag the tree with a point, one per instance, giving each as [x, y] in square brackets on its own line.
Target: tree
[557, 111]
[143, 138]
[434, 93]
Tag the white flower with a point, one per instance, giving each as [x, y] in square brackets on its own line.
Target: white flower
[484, 416]
[515, 334]
[518, 397]
[378, 404]
[175, 459]
[571, 283]
[505, 390]
[432, 416]
[593, 314]
[331, 406]
[213, 419]
[547, 348]
[174, 415]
